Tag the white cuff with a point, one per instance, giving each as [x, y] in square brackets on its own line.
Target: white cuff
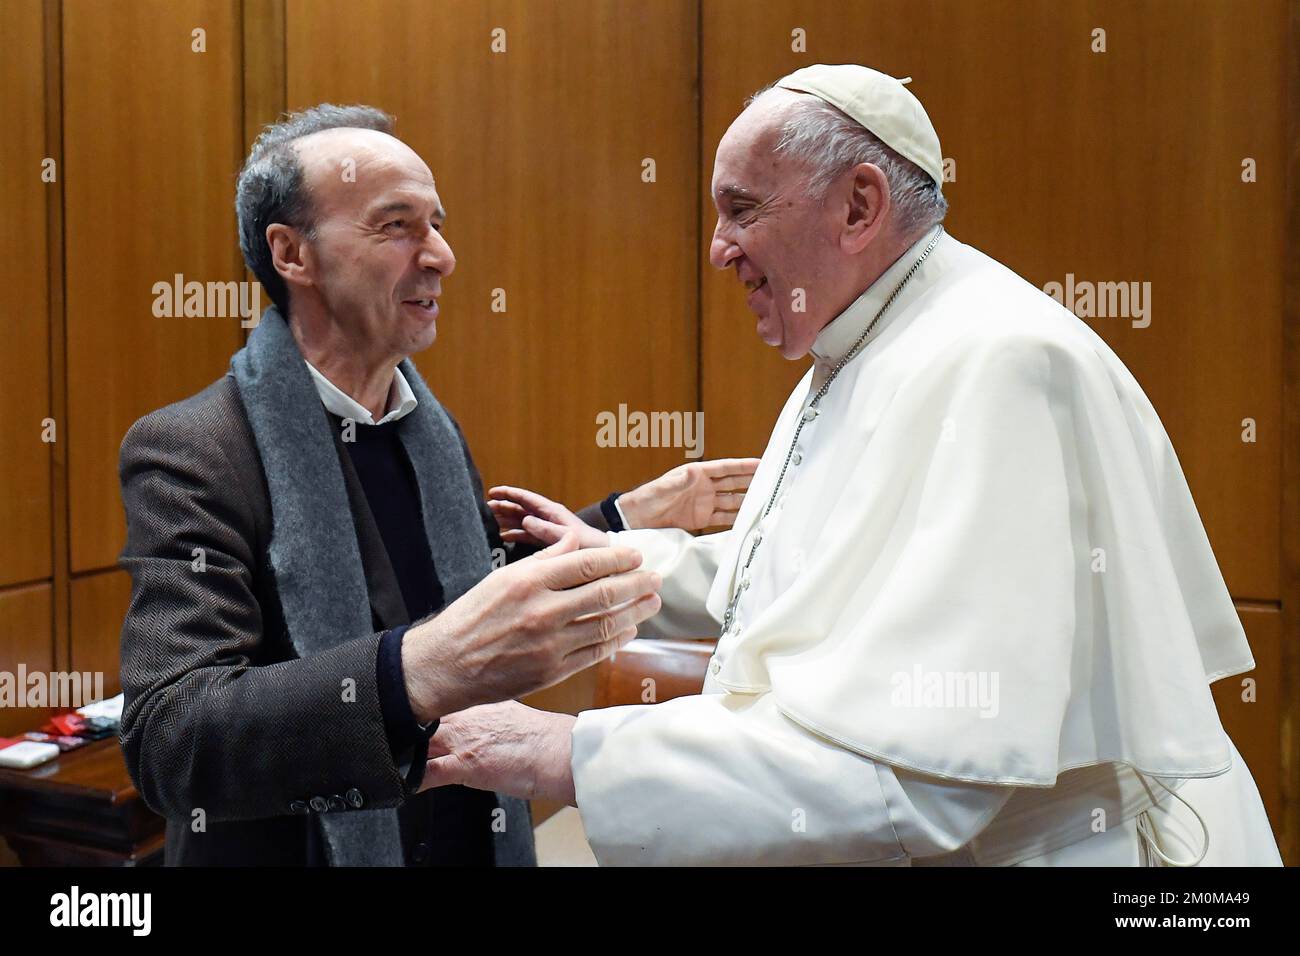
[622, 517]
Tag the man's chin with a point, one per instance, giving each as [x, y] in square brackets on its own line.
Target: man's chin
[424, 337]
[769, 330]
[773, 332]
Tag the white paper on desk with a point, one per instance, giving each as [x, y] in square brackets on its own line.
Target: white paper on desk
[111, 708]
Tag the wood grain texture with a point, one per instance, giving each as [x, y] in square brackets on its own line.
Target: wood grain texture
[25, 618]
[52, 36]
[1116, 166]
[25, 495]
[1250, 707]
[537, 153]
[1290, 730]
[152, 140]
[99, 603]
[1122, 166]
[262, 27]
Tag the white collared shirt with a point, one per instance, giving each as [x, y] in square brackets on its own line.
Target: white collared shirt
[344, 405]
[401, 399]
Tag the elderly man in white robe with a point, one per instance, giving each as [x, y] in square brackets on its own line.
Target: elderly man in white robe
[968, 611]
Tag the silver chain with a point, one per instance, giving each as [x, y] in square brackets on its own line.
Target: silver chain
[808, 415]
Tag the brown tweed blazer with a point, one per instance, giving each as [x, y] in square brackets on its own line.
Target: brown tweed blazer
[223, 723]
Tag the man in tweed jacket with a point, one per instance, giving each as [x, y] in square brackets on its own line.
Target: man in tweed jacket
[289, 522]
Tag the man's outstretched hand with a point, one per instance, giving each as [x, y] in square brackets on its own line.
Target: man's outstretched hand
[527, 626]
[698, 495]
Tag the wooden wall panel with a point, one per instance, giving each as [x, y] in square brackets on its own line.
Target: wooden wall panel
[152, 141]
[1116, 166]
[25, 498]
[1255, 724]
[25, 638]
[538, 153]
[99, 603]
[1122, 166]
[1290, 503]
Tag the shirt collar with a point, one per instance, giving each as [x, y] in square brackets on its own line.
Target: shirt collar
[838, 336]
[336, 401]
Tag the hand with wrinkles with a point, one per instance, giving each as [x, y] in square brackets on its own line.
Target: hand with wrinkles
[527, 626]
[702, 494]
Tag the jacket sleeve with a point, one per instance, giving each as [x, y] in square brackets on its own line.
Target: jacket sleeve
[727, 779]
[205, 725]
[594, 516]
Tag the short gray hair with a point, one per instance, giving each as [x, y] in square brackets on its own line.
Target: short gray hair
[829, 142]
[271, 187]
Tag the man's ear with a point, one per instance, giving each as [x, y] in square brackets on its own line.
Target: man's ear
[289, 254]
[868, 207]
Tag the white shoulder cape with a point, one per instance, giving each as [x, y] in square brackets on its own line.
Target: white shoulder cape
[992, 454]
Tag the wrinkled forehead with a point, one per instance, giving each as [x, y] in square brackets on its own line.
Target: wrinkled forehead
[349, 170]
[746, 159]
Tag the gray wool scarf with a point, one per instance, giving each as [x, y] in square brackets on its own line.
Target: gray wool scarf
[314, 552]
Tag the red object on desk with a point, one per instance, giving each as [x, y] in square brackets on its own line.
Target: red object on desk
[65, 725]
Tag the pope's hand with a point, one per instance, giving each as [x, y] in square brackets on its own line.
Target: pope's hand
[505, 747]
[702, 494]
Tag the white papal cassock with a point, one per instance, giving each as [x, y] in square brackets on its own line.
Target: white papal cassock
[980, 625]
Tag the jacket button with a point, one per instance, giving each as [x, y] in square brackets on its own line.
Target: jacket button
[298, 806]
[354, 798]
[420, 853]
[336, 802]
[319, 804]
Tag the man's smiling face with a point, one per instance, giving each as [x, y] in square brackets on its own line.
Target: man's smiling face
[780, 240]
[378, 251]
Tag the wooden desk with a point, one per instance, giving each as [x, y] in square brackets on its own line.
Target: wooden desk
[79, 810]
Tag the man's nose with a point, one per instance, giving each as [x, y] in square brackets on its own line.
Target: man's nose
[722, 251]
[436, 254]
